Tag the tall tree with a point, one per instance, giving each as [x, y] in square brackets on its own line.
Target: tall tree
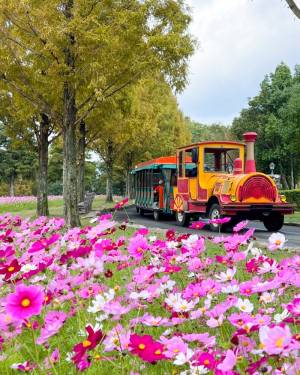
[273, 115]
[65, 58]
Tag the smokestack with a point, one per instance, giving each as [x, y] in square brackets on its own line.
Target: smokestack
[250, 139]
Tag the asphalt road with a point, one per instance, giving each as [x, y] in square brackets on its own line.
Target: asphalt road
[292, 233]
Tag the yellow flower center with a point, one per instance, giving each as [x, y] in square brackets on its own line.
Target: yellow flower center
[176, 351]
[139, 250]
[11, 269]
[86, 343]
[25, 302]
[206, 361]
[142, 346]
[243, 308]
[46, 299]
[279, 343]
[157, 352]
[97, 356]
[278, 242]
[245, 343]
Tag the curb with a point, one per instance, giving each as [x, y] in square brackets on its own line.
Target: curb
[292, 225]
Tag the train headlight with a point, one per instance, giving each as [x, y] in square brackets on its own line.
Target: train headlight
[283, 198]
[233, 198]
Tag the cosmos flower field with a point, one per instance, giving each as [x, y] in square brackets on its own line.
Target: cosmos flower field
[105, 299]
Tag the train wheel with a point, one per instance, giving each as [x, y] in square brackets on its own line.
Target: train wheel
[214, 213]
[183, 218]
[137, 209]
[274, 221]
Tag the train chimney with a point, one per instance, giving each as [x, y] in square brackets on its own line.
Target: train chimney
[250, 139]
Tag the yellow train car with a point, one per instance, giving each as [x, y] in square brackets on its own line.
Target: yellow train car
[221, 180]
[212, 180]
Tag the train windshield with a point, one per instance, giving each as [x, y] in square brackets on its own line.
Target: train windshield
[220, 159]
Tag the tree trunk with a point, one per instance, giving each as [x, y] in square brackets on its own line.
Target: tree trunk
[81, 162]
[12, 185]
[284, 182]
[129, 190]
[69, 132]
[42, 183]
[109, 171]
[292, 174]
[109, 190]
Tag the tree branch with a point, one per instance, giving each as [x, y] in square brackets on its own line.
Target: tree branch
[294, 7]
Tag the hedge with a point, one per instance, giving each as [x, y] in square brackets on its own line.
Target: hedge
[292, 196]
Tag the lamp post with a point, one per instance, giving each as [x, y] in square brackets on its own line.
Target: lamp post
[272, 167]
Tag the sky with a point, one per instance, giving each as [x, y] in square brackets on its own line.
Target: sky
[239, 42]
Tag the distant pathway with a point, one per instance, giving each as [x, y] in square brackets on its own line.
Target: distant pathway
[291, 233]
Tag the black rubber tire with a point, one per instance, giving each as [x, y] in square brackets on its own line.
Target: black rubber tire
[273, 222]
[157, 215]
[142, 211]
[183, 218]
[211, 215]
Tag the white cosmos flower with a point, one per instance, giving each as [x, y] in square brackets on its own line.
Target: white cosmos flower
[28, 267]
[142, 295]
[152, 238]
[100, 300]
[226, 276]
[267, 267]
[267, 297]
[244, 305]
[276, 241]
[183, 358]
[179, 304]
[196, 370]
[230, 289]
[280, 317]
[169, 285]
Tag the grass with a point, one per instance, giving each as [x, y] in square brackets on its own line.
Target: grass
[294, 219]
[28, 209]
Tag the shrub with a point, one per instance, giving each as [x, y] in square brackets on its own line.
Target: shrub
[292, 196]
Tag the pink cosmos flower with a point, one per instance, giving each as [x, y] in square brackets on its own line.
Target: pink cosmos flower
[275, 340]
[137, 246]
[240, 226]
[228, 362]
[54, 320]
[146, 348]
[220, 221]
[25, 302]
[121, 204]
[197, 225]
[173, 346]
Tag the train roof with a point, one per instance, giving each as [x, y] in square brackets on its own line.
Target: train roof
[162, 162]
[227, 143]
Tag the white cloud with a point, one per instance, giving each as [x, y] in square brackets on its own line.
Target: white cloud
[240, 41]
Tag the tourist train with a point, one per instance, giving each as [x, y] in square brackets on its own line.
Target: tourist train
[210, 180]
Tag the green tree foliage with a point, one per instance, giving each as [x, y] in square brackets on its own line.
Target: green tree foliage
[65, 58]
[15, 162]
[274, 114]
[143, 122]
[204, 132]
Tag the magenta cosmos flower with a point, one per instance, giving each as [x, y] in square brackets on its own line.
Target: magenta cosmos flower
[25, 301]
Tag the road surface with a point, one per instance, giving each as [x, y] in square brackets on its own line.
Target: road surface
[292, 233]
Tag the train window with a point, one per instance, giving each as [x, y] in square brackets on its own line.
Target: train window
[220, 160]
[180, 164]
[191, 162]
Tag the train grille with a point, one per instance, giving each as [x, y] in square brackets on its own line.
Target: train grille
[257, 187]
